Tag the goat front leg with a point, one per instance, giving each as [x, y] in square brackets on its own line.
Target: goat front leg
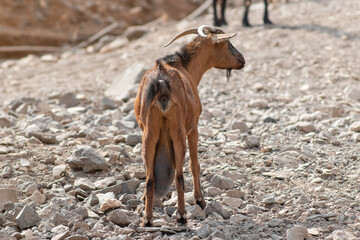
[245, 20]
[266, 13]
[148, 150]
[179, 150]
[193, 139]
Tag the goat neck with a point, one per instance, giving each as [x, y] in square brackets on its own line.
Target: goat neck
[200, 62]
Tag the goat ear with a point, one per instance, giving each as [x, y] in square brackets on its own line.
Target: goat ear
[218, 38]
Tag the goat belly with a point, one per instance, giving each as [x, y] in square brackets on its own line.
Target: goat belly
[164, 171]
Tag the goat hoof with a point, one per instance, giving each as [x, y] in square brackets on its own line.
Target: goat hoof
[147, 222]
[246, 23]
[200, 201]
[181, 219]
[217, 23]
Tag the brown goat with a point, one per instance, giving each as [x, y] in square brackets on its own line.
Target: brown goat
[167, 108]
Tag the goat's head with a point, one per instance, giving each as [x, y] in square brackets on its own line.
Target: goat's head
[222, 53]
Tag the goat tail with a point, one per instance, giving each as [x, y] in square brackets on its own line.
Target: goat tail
[158, 90]
[164, 164]
[163, 101]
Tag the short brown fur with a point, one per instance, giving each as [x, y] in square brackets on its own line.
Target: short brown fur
[167, 108]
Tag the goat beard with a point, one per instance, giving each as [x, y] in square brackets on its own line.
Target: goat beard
[228, 74]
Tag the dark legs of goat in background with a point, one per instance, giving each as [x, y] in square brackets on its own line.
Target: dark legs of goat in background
[266, 14]
[245, 20]
[219, 22]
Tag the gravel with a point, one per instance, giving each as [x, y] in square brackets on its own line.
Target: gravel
[278, 144]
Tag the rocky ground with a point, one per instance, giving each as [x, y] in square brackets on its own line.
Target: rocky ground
[279, 144]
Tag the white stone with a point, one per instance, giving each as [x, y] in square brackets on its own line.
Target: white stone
[38, 197]
[357, 137]
[59, 171]
[110, 203]
[355, 127]
[232, 202]
[352, 93]
[343, 235]
[297, 233]
[85, 184]
[104, 196]
[305, 127]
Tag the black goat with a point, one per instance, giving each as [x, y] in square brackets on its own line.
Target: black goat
[245, 22]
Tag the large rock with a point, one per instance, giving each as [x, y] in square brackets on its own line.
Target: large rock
[8, 170]
[214, 206]
[47, 138]
[343, 235]
[133, 139]
[121, 85]
[355, 127]
[38, 197]
[357, 137]
[241, 126]
[110, 203]
[4, 150]
[305, 127]
[85, 184]
[69, 100]
[222, 182]
[352, 93]
[297, 233]
[59, 171]
[195, 212]
[232, 202]
[252, 141]
[43, 122]
[129, 187]
[27, 218]
[6, 121]
[203, 231]
[105, 182]
[87, 159]
[108, 103]
[122, 217]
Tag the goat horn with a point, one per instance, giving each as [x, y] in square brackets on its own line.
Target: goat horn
[222, 37]
[186, 32]
[199, 31]
[205, 27]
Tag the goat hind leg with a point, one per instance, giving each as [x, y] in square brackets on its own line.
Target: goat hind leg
[180, 149]
[149, 146]
[193, 139]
